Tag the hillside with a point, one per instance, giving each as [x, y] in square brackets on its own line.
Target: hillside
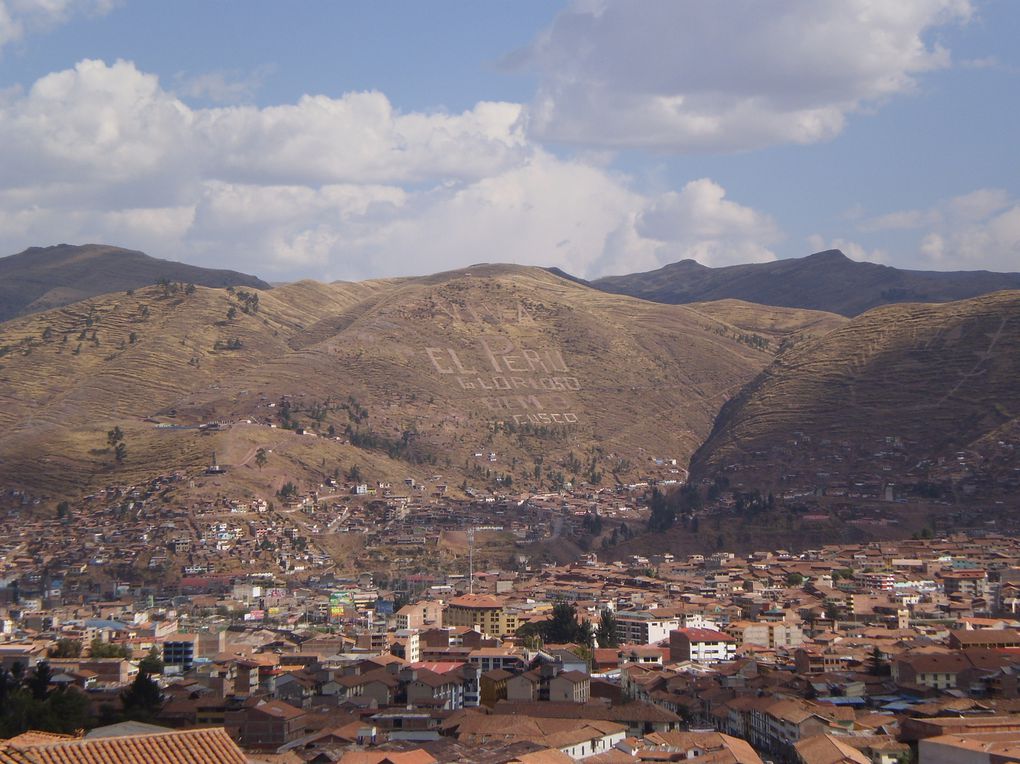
[903, 402]
[827, 281]
[492, 376]
[41, 278]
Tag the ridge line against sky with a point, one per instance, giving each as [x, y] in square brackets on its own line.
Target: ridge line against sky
[348, 141]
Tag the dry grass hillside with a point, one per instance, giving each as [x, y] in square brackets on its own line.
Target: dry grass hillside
[921, 397]
[412, 377]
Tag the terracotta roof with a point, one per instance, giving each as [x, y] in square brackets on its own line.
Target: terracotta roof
[202, 746]
[417, 756]
[476, 600]
[34, 737]
[825, 749]
[278, 709]
[705, 635]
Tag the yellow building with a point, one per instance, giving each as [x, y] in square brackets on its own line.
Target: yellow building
[486, 612]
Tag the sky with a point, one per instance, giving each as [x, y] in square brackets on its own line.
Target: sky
[351, 140]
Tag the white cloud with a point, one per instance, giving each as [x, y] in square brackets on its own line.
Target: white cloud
[345, 187]
[700, 223]
[681, 75]
[19, 18]
[978, 230]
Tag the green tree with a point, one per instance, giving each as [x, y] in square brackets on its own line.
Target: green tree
[261, 457]
[143, 699]
[66, 648]
[100, 649]
[231, 313]
[562, 627]
[67, 711]
[605, 632]
[794, 579]
[151, 663]
[877, 663]
[38, 682]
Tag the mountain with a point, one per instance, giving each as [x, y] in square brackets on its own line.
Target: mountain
[904, 401]
[827, 281]
[490, 376]
[41, 278]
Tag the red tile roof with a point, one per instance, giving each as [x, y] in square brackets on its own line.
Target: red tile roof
[202, 746]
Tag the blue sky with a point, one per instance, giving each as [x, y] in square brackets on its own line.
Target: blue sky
[349, 140]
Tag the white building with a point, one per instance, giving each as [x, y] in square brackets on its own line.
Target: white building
[644, 627]
[701, 646]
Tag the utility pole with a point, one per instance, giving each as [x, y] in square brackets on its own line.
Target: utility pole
[471, 560]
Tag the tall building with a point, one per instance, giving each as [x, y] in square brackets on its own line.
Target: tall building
[486, 612]
[644, 627]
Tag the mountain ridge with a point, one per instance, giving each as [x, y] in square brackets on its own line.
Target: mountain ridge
[40, 278]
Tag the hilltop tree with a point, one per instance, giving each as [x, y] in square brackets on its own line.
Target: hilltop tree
[663, 512]
[114, 436]
[261, 457]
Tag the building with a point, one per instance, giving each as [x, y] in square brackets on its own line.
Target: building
[770, 634]
[570, 687]
[486, 612]
[266, 725]
[987, 639]
[879, 581]
[179, 654]
[969, 749]
[935, 671]
[444, 691]
[419, 615]
[968, 583]
[644, 627]
[492, 686]
[701, 646]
